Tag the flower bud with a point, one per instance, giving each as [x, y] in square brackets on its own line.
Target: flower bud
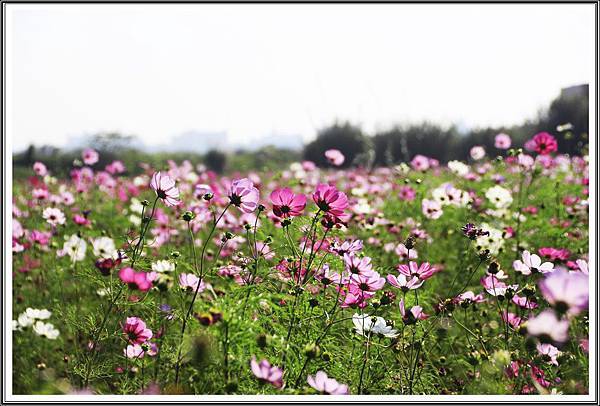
[188, 216]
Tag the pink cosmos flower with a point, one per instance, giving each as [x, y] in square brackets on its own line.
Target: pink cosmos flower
[135, 280]
[244, 195]
[335, 157]
[355, 297]
[531, 263]
[165, 189]
[81, 220]
[432, 209]
[115, 167]
[347, 247]
[420, 163]
[358, 265]
[404, 253]
[407, 193]
[512, 319]
[414, 314]
[330, 200]
[549, 351]
[423, 272]
[495, 286]
[267, 373]
[189, 281]
[554, 254]
[327, 276]
[326, 385]
[136, 331]
[371, 282]
[524, 302]
[566, 291]
[502, 141]
[403, 283]
[39, 194]
[543, 143]
[549, 328]
[90, 157]
[40, 169]
[286, 204]
[470, 297]
[54, 216]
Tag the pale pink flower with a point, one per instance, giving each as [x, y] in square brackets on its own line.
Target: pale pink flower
[549, 328]
[40, 169]
[477, 152]
[335, 157]
[165, 189]
[244, 195]
[267, 373]
[54, 216]
[502, 141]
[189, 281]
[531, 263]
[326, 385]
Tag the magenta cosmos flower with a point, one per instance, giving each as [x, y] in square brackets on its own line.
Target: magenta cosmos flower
[286, 203]
[330, 200]
[411, 316]
[502, 141]
[165, 189]
[90, 157]
[335, 157]
[543, 143]
[135, 280]
[244, 195]
[326, 385]
[136, 331]
[267, 373]
[566, 291]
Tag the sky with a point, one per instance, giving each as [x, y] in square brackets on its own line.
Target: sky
[279, 72]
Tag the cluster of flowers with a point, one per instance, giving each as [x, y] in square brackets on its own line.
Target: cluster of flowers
[33, 318]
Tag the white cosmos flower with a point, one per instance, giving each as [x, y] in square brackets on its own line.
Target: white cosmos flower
[163, 266]
[24, 320]
[531, 263]
[45, 330]
[104, 247]
[374, 324]
[458, 167]
[38, 314]
[500, 197]
[75, 248]
[493, 242]
[53, 216]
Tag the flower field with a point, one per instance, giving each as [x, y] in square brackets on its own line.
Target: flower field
[424, 278]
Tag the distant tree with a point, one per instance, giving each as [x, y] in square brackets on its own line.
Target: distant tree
[215, 160]
[345, 137]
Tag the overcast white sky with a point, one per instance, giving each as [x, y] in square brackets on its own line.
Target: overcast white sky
[252, 71]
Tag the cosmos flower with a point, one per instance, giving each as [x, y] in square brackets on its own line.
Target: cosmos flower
[45, 330]
[365, 324]
[413, 314]
[267, 373]
[549, 351]
[531, 263]
[502, 141]
[477, 152]
[403, 283]
[286, 204]
[165, 189]
[136, 331]
[104, 247]
[334, 157]
[566, 291]
[423, 271]
[244, 195]
[189, 281]
[326, 385]
[90, 156]
[420, 163]
[358, 265]
[330, 200]
[135, 280]
[432, 209]
[543, 143]
[548, 327]
[40, 169]
[75, 247]
[53, 216]
[500, 197]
